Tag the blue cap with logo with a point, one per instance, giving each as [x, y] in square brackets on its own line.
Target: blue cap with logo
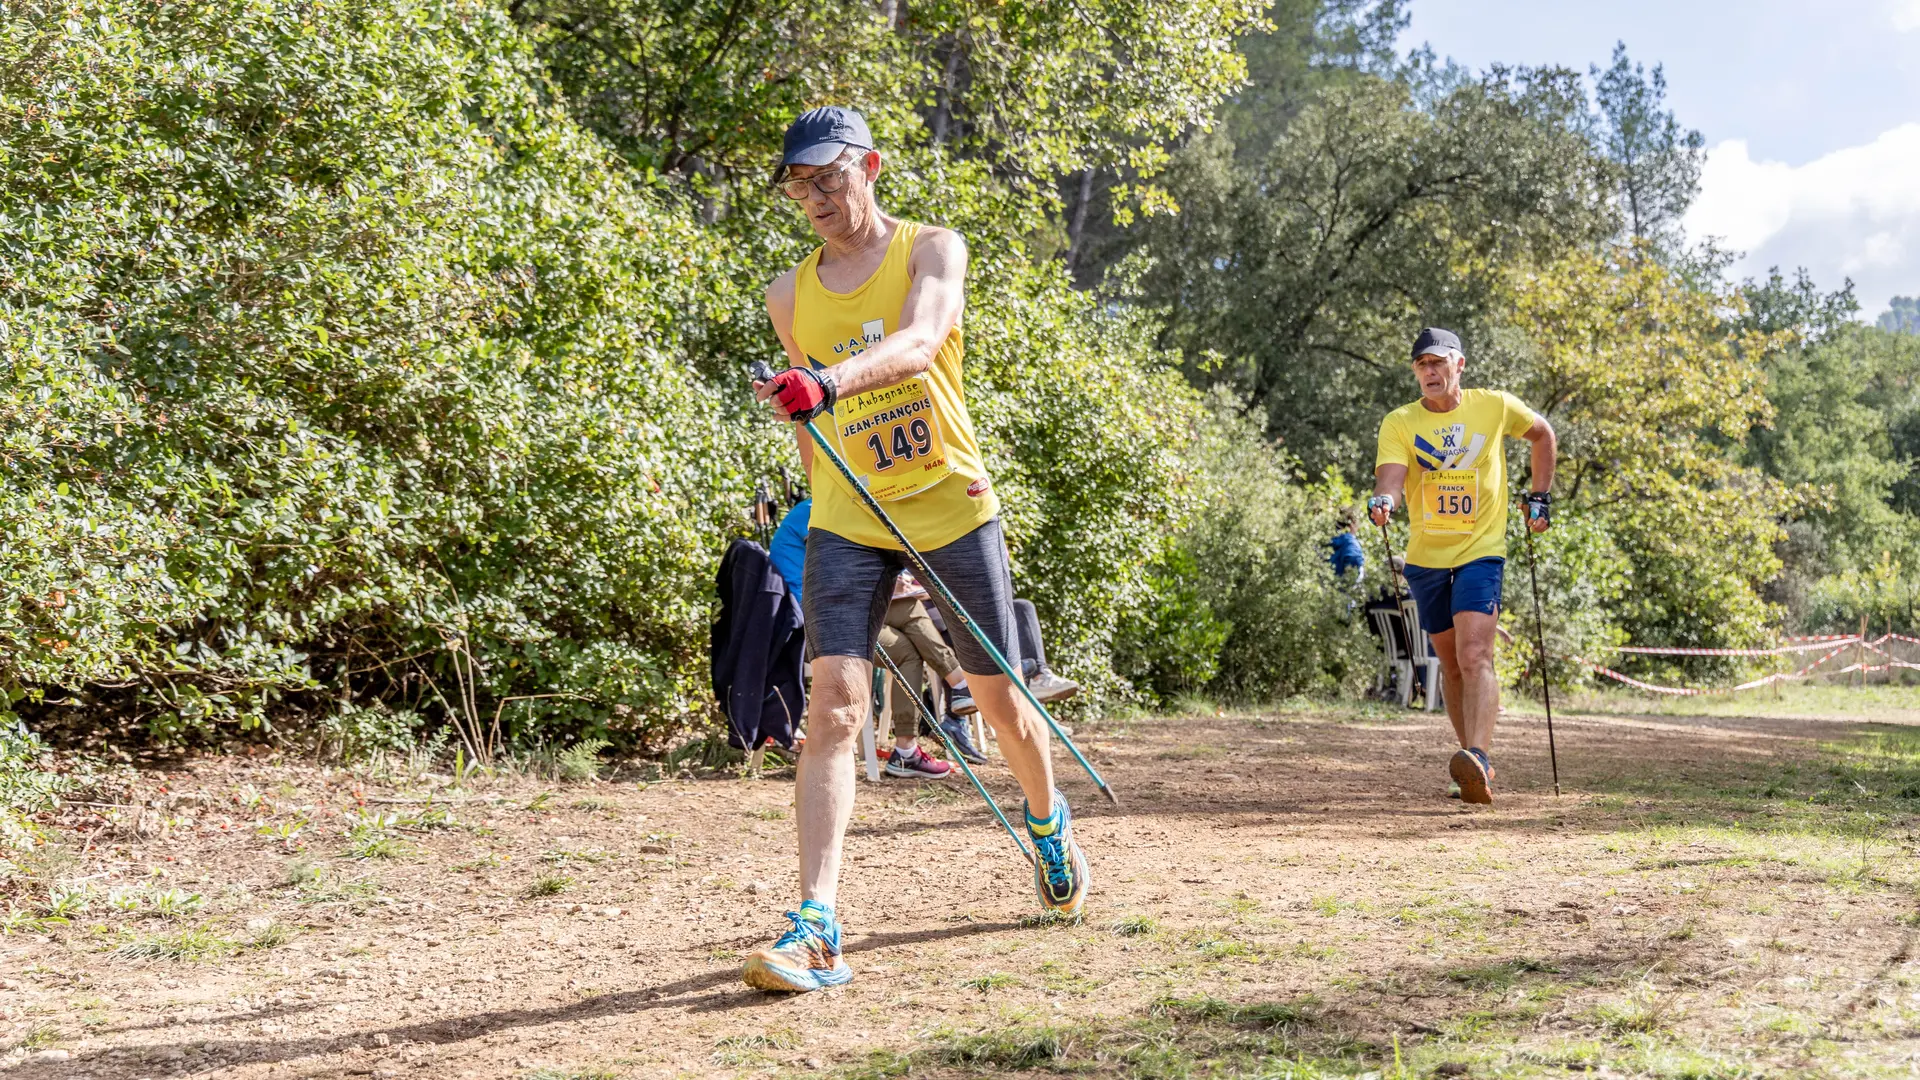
[817, 136]
[1435, 340]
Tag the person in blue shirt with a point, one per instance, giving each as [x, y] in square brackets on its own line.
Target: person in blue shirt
[788, 548]
[1345, 554]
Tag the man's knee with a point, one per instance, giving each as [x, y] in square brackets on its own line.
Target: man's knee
[840, 698]
[835, 723]
[1474, 656]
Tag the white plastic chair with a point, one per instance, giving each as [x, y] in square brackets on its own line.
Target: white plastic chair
[1422, 654]
[1394, 663]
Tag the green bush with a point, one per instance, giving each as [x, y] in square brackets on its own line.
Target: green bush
[344, 372]
[340, 364]
[1254, 557]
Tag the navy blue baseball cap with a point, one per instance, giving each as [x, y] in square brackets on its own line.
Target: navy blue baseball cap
[1435, 340]
[818, 136]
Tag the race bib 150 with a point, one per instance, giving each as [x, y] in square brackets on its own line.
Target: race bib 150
[1450, 500]
[891, 439]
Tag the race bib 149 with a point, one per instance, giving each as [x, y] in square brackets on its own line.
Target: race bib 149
[891, 439]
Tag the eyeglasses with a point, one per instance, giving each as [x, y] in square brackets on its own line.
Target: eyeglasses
[826, 183]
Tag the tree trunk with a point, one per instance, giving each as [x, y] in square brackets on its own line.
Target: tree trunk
[1077, 227]
[943, 98]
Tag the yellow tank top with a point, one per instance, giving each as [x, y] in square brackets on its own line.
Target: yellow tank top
[912, 444]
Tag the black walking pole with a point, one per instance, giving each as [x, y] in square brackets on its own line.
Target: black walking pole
[1540, 630]
[1386, 541]
[762, 372]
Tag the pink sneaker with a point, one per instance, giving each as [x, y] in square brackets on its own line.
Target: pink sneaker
[916, 765]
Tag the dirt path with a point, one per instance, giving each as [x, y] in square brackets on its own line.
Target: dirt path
[1274, 887]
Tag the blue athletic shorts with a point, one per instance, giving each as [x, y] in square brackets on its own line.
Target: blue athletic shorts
[1443, 593]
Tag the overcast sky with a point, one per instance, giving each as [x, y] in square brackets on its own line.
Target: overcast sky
[1811, 113]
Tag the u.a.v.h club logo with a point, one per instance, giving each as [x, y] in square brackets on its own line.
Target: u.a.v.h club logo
[1450, 438]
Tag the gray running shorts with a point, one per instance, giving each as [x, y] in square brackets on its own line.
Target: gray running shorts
[848, 586]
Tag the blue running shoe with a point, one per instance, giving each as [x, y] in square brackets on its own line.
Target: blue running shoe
[807, 957]
[1060, 871]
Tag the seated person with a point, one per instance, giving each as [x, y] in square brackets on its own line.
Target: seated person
[1344, 550]
[1046, 685]
[909, 638]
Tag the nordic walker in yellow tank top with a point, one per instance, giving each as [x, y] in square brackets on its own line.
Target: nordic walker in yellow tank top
[870, 323]
[911, 442]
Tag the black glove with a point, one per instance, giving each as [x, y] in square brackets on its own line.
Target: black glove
[1540, 507]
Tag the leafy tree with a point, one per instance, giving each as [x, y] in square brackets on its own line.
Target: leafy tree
[1036, 88]
[1902, 315]
[1657, 162]
[1296, 280]
[1306, 47]
[1645, 382]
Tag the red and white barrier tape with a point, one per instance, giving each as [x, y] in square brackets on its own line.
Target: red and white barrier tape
[1660, 650]
[1688, 691]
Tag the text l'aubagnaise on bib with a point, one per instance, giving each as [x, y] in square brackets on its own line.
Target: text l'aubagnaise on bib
[1449, 500]
[891, 436]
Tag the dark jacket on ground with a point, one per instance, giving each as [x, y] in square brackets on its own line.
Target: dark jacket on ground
[757, 653]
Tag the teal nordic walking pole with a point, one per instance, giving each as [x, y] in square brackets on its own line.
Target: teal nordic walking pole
[763, 373]
[953, 752]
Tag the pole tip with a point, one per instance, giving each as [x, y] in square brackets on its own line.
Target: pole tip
[1108, 792]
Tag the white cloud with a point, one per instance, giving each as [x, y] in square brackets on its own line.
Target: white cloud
[1853, 213]
[1905, 14]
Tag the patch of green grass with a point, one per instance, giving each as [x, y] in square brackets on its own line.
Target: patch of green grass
[991, 981]
[571, 1074]
[427, 818]
[39, 1036]
[1241, 905]
[1328, 906]
[193, 943]
[271, 936]
[1011, 1050]
[1222, 948]
[1499, 976]
[1061, 978]
[751, 1048]
[549, 885]
[1135, 925]
[19, 921]
[489, 861]
[322, 887]
[768, 813]
[1039, 919]
[371, 840]
[1645, 1011]
[592, 802]
[934, 795]
[1262, 1016]
[174, 903]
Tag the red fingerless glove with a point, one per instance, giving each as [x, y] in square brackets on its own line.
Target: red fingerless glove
[804, 392]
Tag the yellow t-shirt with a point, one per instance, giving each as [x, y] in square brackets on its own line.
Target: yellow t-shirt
[912, 444]
[1456, 474]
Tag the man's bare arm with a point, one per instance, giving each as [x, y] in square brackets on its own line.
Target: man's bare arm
[935, 299]
[1390, 480]
[780, 300]
[1546, 449]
